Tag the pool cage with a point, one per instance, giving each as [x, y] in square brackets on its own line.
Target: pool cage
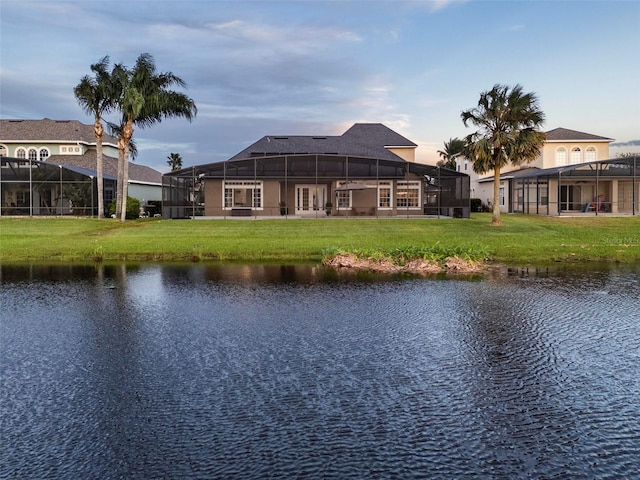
[606, 186]
[269, 183]
[34, 188]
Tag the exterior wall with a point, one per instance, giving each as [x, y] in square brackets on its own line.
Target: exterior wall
[56, 148]
[406, 153]
[144, 193]
[549, 152]
[363, 202]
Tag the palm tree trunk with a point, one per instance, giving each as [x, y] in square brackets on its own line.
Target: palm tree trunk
[495, 219]
[120, 176]
[99, 130]
[127, 134]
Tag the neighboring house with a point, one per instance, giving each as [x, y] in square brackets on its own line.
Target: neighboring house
[572, 174]
[71, 146]
[370, 170]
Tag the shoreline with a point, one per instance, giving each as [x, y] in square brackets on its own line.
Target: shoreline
[452, 265]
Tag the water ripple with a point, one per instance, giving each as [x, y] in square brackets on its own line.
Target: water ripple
[186, 374]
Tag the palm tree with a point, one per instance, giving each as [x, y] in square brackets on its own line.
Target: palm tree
[508, 122]
[95, 97]
[145, 99]
[452, 149]
[175, 161]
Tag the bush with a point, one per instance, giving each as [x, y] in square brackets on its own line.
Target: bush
[133, 208]
[476, 205]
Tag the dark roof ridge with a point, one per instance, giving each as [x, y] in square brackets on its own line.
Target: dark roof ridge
[565, 134]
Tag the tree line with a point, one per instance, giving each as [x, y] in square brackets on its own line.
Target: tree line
[143, 97]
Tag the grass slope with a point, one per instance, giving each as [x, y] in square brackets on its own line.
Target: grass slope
[521, 240]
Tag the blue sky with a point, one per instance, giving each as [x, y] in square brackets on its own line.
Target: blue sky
[316, 67]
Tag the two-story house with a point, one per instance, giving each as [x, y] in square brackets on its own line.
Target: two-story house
[49, 168]
[572, 174]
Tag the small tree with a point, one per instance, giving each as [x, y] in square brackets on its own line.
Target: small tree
[452, 149]
[508, 121]
[174, 161]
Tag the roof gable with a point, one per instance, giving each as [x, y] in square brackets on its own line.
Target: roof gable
[51, 131]
[566, 135]
[137, 172]
[377, 134]
[364, 140]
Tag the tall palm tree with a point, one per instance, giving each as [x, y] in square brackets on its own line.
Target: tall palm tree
[174, 161]
[94, 94]
[508, 122]
[144, 100]
[452, 149]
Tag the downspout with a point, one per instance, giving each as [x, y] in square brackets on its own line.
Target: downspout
[439, 192]
[224, 195]
[30, 188]
[634, 193]
[378, 186]
[597, 187]
[559, 192]
[60, 195]
[255, 184]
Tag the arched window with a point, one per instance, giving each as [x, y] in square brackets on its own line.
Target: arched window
[3, 151]
[591, 155]
[21, 153]
[561, 156]
[576, 155]
[33, 154]
[44, 154]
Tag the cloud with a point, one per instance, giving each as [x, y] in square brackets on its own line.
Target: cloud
[630, 143]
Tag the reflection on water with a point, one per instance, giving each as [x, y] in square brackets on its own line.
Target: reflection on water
[267, 371]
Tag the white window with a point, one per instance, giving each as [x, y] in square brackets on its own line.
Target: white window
[561, 156]
[343, 198]
[385, 194]
[501, 196]
[576, 155]
[21, 153]
[33, 154]
[44, 154]
[3, 151]
[466, 165]
[408, 194]
[591, 155]
[242, 194]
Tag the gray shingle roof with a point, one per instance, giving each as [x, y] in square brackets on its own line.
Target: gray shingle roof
[566, 135]
[137, 173]
[48, 130]
[362, 139]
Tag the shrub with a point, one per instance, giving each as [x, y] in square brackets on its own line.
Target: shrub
[476, 205]
[133, 208]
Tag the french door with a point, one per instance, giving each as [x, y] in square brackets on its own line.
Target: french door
[310, 198]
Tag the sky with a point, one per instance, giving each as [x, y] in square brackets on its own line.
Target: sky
[258, 68]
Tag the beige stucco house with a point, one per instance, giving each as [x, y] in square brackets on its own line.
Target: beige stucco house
[368, 171]
[33, 151]
[573, 174]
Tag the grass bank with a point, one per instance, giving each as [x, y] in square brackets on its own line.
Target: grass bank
[521, 240]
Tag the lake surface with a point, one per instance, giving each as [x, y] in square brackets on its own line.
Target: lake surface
[298, 372]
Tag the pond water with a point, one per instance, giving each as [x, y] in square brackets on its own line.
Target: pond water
[298, 372]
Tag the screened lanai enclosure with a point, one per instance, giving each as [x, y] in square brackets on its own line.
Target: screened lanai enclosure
[32, 187]
[594, 188]
[314, 185]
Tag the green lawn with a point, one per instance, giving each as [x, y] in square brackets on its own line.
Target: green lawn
[521, 240]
